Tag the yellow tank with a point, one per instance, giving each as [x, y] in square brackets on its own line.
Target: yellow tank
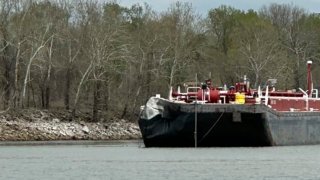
[240, 98]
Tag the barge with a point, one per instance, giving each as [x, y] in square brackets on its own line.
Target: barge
[206, 116]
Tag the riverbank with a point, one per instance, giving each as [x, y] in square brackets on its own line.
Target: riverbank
[111, 143]
[39, 125]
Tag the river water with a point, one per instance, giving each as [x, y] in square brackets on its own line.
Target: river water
[130, 160]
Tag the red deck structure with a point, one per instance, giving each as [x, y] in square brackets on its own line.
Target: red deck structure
[241, 93]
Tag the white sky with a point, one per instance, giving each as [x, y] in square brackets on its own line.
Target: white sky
[202, 6]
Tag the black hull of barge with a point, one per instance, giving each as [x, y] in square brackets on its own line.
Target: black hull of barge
[168, 124]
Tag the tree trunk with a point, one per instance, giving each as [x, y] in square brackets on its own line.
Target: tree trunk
[16, 91]
[296, 71]
[28, 73]
[296, 78]
[42, 97]
[96, 101]
[149, 74]
[47, 97]
[125, 109]
[67, 89]
[32, 91]
[7, 84]
[27, 76]
[106, 95]
[48, 77]
[69, 76]
[76, 99]
[172, 73]
[7, 66]
[256, 79]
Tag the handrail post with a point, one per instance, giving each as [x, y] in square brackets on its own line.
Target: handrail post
[266, 96]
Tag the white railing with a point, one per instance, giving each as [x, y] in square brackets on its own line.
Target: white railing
[264, 98]
[315, 93]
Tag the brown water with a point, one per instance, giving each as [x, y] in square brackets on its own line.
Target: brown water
[131, 161]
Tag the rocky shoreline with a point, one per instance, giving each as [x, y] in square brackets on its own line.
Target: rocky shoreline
[37, 125]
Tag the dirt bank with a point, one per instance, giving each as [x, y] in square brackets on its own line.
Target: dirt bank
[31, 125]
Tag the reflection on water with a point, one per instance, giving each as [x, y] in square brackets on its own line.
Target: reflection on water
[132, 161]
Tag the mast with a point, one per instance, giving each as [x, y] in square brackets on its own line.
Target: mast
[196, 119]
[309, 78]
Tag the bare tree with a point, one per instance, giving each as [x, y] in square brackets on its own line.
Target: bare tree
[180, 22]
[6, 10]
[31, 59]
[259, 52]
[258, 45]
[289, 20]
[105, 49]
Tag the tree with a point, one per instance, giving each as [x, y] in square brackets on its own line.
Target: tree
[221, 25]
[290, 20]
[258, 46]
[178, 27]
[104, 47]
[6, 11]
[222, 22]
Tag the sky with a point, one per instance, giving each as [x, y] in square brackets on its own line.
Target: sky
[202, 6]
